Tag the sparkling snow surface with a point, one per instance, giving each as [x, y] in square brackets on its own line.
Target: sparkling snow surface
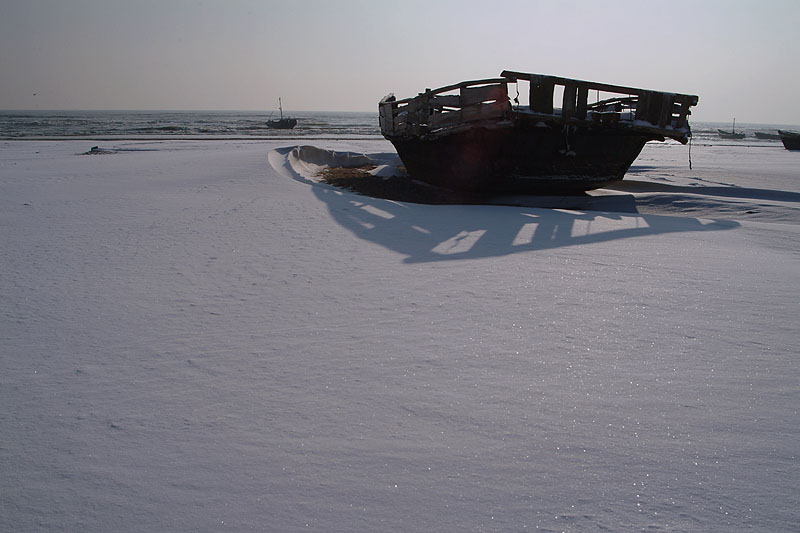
[196, 336]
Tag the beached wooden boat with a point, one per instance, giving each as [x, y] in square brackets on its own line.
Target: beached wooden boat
[469, 136]
[766, 135]
[282, 123]
[790, 139]
[731, 134]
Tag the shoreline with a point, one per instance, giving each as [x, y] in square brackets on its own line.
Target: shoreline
[696, 142]
[728, 181]
[190, 138]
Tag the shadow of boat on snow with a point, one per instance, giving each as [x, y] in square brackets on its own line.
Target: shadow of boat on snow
[723, 191]
[426, 233]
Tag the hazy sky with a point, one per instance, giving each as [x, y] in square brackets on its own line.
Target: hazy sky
[740, 57]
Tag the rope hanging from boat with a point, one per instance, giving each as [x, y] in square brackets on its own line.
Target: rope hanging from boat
[516, 86]
[690, 145]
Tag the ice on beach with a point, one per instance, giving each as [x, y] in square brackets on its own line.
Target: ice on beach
[307, 161]
[198, 335]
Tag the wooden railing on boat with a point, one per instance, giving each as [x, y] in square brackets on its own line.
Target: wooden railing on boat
[434, 111]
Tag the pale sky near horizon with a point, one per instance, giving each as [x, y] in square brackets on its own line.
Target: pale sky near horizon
[740, 57]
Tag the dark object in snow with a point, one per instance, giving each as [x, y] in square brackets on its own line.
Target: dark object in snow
[469, 136]
[95, 150]
[283, 123]
[790, 139]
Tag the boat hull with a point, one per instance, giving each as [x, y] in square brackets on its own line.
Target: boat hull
[282, 124]
[765, 136]
[791, 141]
[524, 158]
[469, 136]
[731, 135]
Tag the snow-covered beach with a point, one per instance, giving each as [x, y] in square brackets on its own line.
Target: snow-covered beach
[198, 336]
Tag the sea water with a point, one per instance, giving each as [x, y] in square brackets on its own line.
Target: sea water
[250, 124]
[182, 124]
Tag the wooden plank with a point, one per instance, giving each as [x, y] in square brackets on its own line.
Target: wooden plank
[486, 110]
[454, 87]
[443, 120]
[469, 114]
[643, 106]
[486, 93]
[541, 96]
[417, 104]
[604, 87]
[386, 118]
[569, 100]
[581, 104]
[654, 110]
[449, 100]
[686, 103]
[667, 101]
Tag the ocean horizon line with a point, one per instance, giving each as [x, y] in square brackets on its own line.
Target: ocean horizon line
[267, 112]
[250, 111]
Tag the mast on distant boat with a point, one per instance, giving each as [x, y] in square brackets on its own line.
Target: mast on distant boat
[282, 123]
[731, 134]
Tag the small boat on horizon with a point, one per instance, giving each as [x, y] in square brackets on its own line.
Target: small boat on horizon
[731, 134]
[282, 123]
[469, 137]
[790, 139]
[767, 136]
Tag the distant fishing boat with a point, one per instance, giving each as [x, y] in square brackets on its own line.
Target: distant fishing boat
[731, 134]
[283, 123]
[766, 136]
[790, 139]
